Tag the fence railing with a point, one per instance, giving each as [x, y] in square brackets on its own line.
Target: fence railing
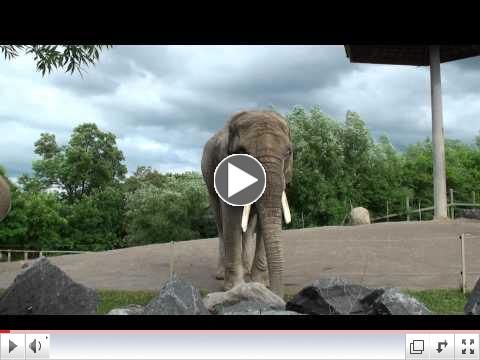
[39, 252]
[451, 205]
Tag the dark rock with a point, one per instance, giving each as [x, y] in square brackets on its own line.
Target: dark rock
[337, 296]
[392, 302]
[43, 288]
[329, 296]
[177, 297]
[472, 307]
[471, 214]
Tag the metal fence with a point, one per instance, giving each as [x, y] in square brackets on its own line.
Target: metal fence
[410, 210]
[26, 253]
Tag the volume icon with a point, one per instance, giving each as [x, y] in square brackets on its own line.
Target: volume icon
[35, 346]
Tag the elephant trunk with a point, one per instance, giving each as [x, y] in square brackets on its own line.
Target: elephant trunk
[269, 208]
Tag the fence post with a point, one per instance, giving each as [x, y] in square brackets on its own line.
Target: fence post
[407, 203]
[25, 255]
[464, 272]
[388, 218]
[41, 253]
[473, 197]
[419, 210]
[172, 259]
[9, 256]
[452, 205]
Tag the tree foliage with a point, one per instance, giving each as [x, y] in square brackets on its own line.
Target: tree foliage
[91, 161]
[71, 58]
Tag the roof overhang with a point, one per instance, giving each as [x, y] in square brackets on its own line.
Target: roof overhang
[407, 54]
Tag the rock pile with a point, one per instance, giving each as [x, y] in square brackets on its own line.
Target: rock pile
[335, 296]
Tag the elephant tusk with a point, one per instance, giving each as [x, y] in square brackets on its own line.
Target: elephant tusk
[245, 216]
[286, 210]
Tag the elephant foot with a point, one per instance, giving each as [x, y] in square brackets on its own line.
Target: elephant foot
[260, 276]
[233, 279]
[220, 274]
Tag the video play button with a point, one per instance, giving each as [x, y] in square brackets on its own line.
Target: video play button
[11, 346]
[239, 179]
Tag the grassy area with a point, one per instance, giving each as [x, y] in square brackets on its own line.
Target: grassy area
[441, 301]
[111, 299]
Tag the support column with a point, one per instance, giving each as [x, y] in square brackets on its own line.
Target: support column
[438, 142]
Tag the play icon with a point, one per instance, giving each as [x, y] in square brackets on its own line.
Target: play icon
[11, 346]
[239, 179]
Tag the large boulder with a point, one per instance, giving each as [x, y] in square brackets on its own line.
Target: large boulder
[471, 214]
[392, 302]
[332, 296]
[131, 309]
[43, 288]
[359, 216]
[251, 292]
[328, 297]
[177, 297]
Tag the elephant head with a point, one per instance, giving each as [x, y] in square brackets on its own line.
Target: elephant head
[266, 136]
[5, 198]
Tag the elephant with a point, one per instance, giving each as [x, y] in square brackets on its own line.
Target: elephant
[5, 198]
[266, 136]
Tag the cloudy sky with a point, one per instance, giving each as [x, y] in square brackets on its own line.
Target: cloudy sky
[163, 102]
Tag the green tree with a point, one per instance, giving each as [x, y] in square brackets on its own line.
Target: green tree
[90, 161]
[176, 209]
[71, 58]
[95, 222]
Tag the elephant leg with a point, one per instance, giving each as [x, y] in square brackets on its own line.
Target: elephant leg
[215, 205]
[232, 238]
[259, 272]
[248, 246]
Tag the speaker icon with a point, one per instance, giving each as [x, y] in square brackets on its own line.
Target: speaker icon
[35, 346]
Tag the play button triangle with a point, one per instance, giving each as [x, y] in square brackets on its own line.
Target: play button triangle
[238, 180]
[11, 346]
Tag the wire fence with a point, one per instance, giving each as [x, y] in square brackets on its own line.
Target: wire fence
[414, 211]
[29, 254]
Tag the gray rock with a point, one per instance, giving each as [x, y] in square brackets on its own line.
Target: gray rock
[472, 307]
[392, 302]
[242, 307]
[248, 292]
[177, 297]
[329, 296]
[43, 288]
[471, 214]
[129, 310]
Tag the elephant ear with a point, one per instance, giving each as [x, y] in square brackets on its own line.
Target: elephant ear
[233, 136]
[5, 198]
[288, 165]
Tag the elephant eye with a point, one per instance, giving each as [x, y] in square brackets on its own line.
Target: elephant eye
[288, 153]
[241, 150]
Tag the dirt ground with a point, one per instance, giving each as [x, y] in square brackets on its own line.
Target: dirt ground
[416, 255]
